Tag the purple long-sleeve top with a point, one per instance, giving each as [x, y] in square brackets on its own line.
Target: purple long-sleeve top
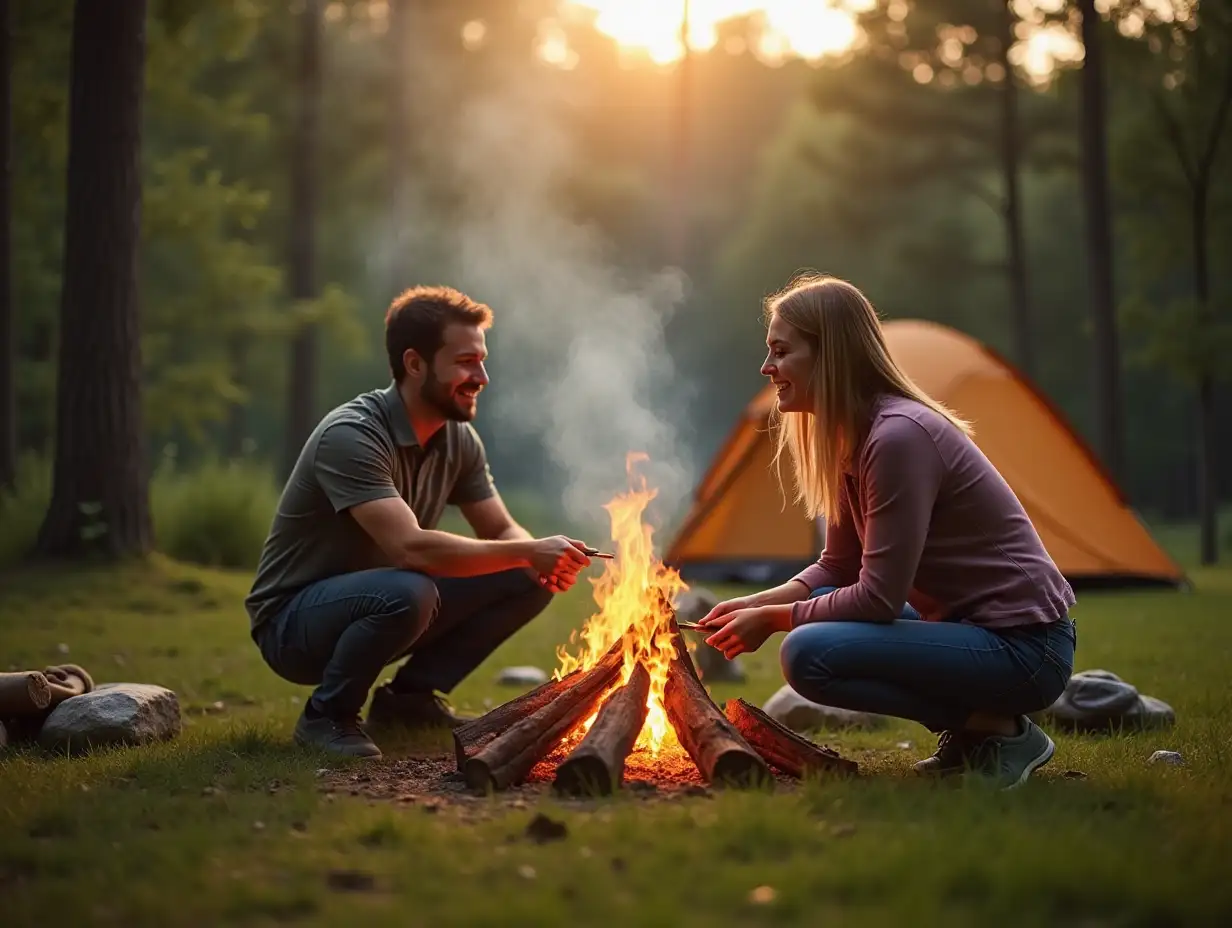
[926, 519]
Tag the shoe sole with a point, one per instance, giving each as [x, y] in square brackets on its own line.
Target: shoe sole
[1044, 757]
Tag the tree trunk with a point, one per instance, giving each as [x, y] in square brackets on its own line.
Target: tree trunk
[8, 340]
[1015, 247]
[100, 484]
[1208, 490]
[303, 368]
[1099, 244]
[597, 765]
[715, 746]
[510, 757]
[782, 747]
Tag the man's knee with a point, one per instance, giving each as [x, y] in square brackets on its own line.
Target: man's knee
[411, 601]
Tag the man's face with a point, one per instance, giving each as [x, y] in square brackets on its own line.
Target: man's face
[452, 381]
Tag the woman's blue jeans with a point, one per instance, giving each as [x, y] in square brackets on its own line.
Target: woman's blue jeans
[935, 673]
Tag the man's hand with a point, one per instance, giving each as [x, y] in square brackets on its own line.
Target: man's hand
[557, 561]
[746, 629]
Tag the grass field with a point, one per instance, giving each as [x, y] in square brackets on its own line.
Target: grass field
[226, 825]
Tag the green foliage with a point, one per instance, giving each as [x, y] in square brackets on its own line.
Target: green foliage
[22, 509]
[216, 514]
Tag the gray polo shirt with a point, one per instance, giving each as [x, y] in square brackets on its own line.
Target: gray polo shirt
[361, 451]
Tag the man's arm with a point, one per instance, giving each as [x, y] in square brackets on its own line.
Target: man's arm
[491, 520]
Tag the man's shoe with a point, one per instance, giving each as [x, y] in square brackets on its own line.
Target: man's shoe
[1009, 759]
[345, 738]
[411, 710]
[954, 748]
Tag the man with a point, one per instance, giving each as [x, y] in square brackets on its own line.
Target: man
[353, 575]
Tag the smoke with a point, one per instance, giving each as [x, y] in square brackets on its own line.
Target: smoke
[580, 358]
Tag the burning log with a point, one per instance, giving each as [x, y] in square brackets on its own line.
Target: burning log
[716, 747]
[597, 765]
[782, 747]
[509, 757]
[469, 739]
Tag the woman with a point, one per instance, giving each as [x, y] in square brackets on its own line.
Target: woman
[934, 599]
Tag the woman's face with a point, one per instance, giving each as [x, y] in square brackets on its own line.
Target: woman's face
[789, 365]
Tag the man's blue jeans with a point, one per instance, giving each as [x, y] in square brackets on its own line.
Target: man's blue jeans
[339, 633]
[935, 673]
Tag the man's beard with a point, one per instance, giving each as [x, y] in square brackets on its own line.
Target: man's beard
[438, 396]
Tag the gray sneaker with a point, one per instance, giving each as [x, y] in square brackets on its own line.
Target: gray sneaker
[953, 750]
[334, 736]
[1010, 759]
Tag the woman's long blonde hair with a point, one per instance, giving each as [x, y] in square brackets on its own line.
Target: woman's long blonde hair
[851, 368]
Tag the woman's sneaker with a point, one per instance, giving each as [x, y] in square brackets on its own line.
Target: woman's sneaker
[953, 750]
[1009, 759]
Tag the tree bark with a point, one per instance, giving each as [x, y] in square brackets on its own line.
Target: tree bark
[716, 747]
[1098, 209]
[24, 693]
[1015, 247]
[8, 341]
[301, 386]
[509, 758]
[597, 765]
[782, 747]
[1208, 491]
[100, 483]
[469, 739]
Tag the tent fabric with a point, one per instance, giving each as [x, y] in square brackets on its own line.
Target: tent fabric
[743, 528]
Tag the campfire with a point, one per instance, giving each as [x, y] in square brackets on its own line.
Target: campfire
[630, 694]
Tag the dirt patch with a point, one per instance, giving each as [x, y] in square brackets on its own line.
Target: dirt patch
[433, 780]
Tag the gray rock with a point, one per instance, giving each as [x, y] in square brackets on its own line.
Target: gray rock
[522, 676]
[114, 713]
[1100, 701]
[712, 666]
[1167, 757]
[799, 714]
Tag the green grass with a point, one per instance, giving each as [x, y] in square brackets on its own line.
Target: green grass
[133, 836]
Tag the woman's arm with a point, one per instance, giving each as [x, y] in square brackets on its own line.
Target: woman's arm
[902, 472]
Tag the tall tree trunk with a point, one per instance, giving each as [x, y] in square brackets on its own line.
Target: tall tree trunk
[301, 387]
[1015, 248]
[100, 484]
[1098, 209]
[8, 340]
[398, 42]
[1208, 491]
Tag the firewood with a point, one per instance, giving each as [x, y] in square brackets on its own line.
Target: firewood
[470, 738]
[597, 765]
[23, 693]
[716, 747]
[780, 746]
[510, 756]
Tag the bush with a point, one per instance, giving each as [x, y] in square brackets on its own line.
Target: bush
[217, 514]
[22, 509]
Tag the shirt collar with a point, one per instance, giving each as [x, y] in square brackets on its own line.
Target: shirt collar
[404, 435]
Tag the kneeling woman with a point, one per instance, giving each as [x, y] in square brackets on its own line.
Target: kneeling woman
[934, 599]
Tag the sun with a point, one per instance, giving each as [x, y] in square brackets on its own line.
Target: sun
[807, 29]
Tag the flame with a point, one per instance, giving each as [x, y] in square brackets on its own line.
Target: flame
[631, 594]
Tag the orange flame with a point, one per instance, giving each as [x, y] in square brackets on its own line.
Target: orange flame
[630, 594]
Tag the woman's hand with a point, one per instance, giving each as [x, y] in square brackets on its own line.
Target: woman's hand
[745, 628]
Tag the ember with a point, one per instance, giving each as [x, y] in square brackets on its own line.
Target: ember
[631, 695]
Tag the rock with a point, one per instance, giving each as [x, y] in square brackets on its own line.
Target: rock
[114, 713]
[1100, 701]
[522, 676]
[799, 714]
[1167, 757]
[712, 666]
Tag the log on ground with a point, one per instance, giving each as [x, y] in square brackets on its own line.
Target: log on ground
[23, 693]
[473, 736]
[716, 747]
[780, 746]
[597, 765]
[509, 757]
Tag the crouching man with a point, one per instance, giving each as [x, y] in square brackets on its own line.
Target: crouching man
[354, 576]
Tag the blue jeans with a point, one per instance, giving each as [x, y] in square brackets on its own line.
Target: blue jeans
[338, 633]
[935, 673]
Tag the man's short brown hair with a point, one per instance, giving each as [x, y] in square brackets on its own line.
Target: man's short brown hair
[416, 319]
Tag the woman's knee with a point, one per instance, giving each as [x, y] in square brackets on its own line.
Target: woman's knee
[803, 656]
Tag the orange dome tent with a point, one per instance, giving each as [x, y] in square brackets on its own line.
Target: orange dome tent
[741, 528]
